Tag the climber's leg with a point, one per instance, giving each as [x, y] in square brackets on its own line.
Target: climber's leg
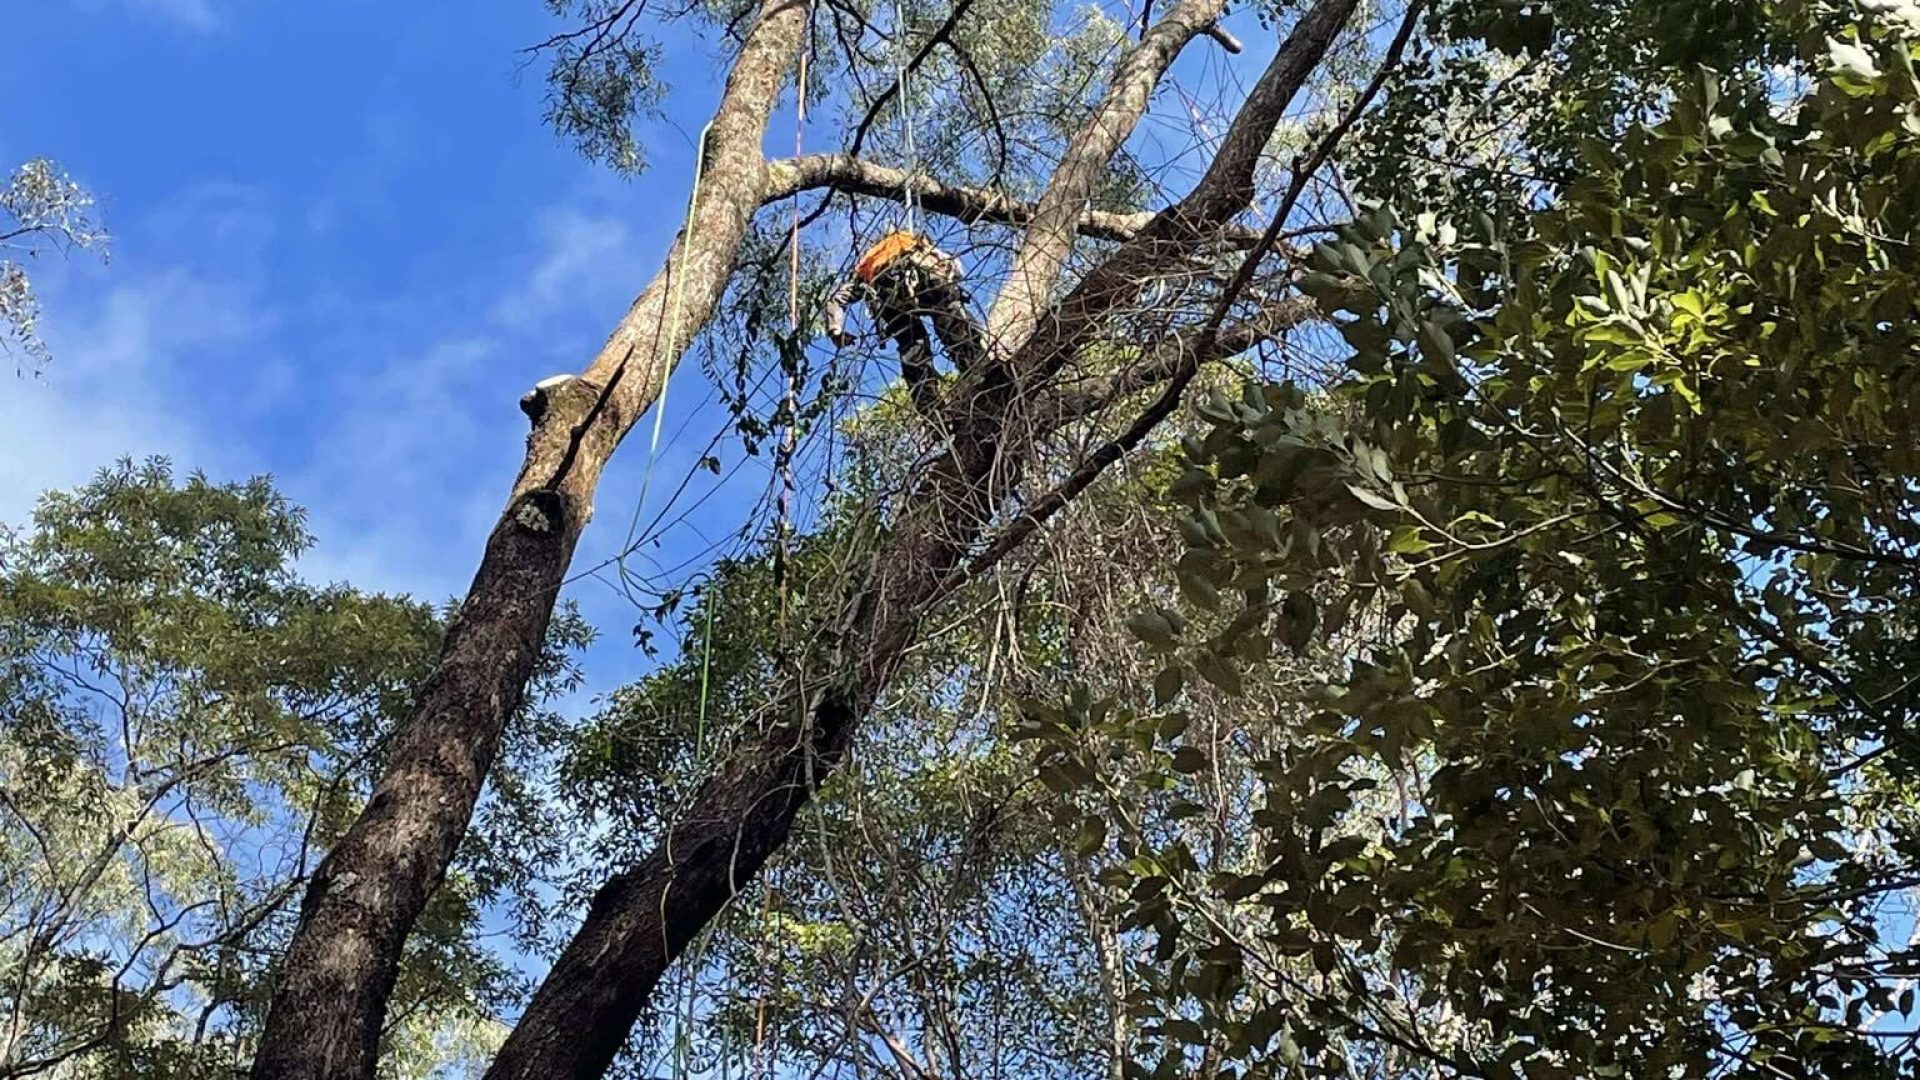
[894, 311]
[953, 322]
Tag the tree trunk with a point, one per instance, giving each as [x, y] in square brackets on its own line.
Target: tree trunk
[641, 920]
[325, 1017]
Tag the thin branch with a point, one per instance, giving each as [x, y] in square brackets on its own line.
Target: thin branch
[919, 57]
[1167, 359]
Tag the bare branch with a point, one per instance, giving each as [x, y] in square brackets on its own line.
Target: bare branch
[1168, 358]
[842, 172]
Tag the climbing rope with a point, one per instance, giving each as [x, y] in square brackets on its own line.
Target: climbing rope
[909, 195]
[676, 305]
[791, 351]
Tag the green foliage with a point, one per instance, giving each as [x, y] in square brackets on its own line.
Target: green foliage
[42, 211]
[1606, 551]
[184, 726]
[1496, 96]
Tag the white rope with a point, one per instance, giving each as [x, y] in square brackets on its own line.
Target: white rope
[910, 199]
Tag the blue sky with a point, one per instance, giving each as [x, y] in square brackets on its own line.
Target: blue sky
[344, 244]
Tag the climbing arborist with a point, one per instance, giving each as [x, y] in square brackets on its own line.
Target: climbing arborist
[902, 278]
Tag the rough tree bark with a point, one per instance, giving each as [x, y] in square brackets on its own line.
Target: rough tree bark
[328, 1007]
[1048, 238]
[642, 919]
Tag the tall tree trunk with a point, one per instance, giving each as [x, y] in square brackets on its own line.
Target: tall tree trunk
[642, 919]
[327, 1010]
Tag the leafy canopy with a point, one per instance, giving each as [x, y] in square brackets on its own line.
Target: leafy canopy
[1605, 548]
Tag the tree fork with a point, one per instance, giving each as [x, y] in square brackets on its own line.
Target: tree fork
[326, 1014]
[644, 918]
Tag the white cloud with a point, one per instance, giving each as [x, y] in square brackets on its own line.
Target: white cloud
[115, 386]
[192, 14]
[582, 256]
[198, 16]
[403, 472]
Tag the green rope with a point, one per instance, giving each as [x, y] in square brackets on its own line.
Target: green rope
[673, 340]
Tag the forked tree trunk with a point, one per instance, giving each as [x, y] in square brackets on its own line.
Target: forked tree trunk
[330, 1002]
[645, 917]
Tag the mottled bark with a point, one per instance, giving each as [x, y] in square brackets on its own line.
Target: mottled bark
[330, 1002]
[1202, 217]
[1048, 239]
[644, 918]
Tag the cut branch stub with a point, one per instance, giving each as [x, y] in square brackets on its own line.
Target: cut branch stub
[329, 1007]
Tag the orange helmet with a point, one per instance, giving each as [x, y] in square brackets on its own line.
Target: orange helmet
[884, 251]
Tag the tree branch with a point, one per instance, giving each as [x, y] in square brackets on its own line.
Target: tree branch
[788, 177]
[1048, 240]
[1168, 358]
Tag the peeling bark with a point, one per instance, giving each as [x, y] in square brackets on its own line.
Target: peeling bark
[327, 1010]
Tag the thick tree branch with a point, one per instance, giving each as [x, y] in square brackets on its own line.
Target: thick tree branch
[846, 173]
[787, 177]
[1048, 239]
[1224, 191]
[325, 1017]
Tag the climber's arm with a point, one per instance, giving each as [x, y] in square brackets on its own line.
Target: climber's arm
[844, 295]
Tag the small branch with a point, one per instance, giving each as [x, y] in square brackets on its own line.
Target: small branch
[1043, 508]
[1225, 40]
[1167, 359]
[919, 57]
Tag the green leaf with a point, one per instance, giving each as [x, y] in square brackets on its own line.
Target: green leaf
[1408, 540]
[1372, 498]
[1167, 684]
